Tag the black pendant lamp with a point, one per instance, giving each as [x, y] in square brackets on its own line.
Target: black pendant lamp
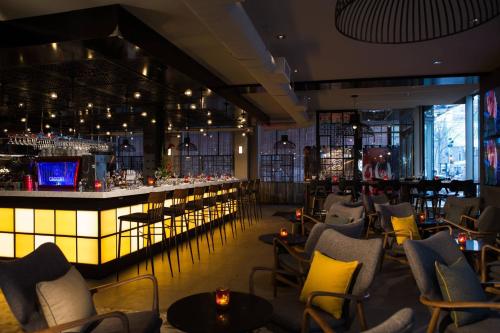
[126, 146]
[410, 21]
[186, 145]
[284, 143]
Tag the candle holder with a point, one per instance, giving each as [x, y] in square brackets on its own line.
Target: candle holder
[283, 233]
[222, 298]
[298, 214]
[97, 185]
[421, 217]
[462, 240]
[151, 181]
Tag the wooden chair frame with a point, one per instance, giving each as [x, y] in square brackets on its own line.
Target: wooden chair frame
[114, 314]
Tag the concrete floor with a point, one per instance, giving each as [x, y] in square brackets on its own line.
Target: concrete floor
[230, 265]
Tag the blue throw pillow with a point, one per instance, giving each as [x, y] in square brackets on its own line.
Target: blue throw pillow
[459, 283]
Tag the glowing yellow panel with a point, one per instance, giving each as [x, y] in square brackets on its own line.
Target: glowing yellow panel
[133, 243]
[86, 223]
[7, 245]
[136, 209]
[125, 243]
[108, 249]
[87, 251]
[108, 222]
[44, 221]
[121, 212]
[7, 219]
[66, 222]
[144, 208]
[39, 240]
[68, 247]
[24, 220]
[24, 245]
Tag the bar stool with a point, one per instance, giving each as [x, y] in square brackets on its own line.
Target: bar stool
[178, 209]
[234, 198]
[252, 198]
[257, 195]
[245, 201]
[196, 207]
[224, 200]
[156, 201]
[210, 201]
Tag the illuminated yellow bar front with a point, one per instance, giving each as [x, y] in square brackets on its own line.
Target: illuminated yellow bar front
[84, 225]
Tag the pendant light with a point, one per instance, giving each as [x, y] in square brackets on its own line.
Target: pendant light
[284, 143]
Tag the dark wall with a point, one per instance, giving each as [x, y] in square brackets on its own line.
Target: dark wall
[490, 194]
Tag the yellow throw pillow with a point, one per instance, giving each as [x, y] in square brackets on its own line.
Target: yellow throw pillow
[327, 274]
[404, 225]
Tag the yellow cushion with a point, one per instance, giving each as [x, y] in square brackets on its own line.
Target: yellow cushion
[327, 274]
[404, 225]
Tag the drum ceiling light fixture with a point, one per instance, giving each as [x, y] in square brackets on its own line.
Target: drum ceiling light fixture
[410, 21]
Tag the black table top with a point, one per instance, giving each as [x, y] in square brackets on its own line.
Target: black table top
[198, 313]
[291, 240]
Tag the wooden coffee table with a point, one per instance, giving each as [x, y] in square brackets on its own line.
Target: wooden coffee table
[198, 313]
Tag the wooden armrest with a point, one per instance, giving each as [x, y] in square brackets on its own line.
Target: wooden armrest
[115, 314]
[279, 243]
[459, 305]
[312, 219]
[439, 227]
[314, 315]
[150, 277]
[267, 269]
[351, 297]
[484, 249]
[467, 217]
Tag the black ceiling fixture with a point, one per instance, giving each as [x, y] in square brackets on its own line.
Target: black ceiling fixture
[126, 146]
[186, 145]
[284, 143]
[400, 22]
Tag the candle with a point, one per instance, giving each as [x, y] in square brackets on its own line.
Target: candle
[97, 185]
[222, 296]
[298, 214]
[462, 239]
[283, 232]
[335, 179]
[386, 178]
[151, 181]
[421, 217]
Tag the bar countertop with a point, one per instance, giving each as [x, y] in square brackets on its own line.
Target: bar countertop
[114, 193]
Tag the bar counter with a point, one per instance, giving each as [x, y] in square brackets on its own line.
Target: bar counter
[83, 224]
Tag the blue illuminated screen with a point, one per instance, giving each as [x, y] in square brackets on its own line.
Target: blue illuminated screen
[55, 174]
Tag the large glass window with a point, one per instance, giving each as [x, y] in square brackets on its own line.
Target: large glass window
[451, 136]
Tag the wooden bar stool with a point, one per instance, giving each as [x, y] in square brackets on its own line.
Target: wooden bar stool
[210, 201]
[156, 202]
[257, 195]
[234, 198]
[225, 203]
[196, 207]
[178, 209]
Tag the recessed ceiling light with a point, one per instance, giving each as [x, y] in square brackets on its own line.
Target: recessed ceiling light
[28, 129]
[144, 114]
[153, 121]
[23, 120]
[108, 133]
[243, 134]
[295, 70]
[52, 115]
[202, 130]
[53, 95]
[137, 95]
[82, 120]
[108, 115]
[21, 104]
[98, 126]
[90, 105]
[124, 125]
[5, 130]
[54, 46]
[178, 135]
[209, 121]
[46, 126]
[281, 36]
[192, 106]
[437, 62]
[188, 92]
[209, 113]
[169, 127]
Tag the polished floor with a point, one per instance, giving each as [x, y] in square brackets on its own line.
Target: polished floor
[230, 266]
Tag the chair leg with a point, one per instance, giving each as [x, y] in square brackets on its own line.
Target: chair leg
[195, 232]
[173, 229]
[164, 239]
[137, 242]
[204, 227]
[150, 244]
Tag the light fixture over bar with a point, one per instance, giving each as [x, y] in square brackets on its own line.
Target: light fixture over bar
[399, 22]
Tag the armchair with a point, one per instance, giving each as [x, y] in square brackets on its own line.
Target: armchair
[422, 254]
[400, 322]
[18, 279]
[288, 309]
[490, 269]
[485, 227]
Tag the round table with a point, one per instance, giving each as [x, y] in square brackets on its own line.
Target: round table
[291, 240]
[198, 313]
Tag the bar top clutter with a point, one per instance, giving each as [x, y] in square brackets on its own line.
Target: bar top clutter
[114, 193]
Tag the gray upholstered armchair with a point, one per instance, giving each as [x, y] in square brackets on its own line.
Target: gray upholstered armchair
[485, 227]
[297, 261]
[18, 280]
[422, 257]
[400, 322]
[288, 309]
